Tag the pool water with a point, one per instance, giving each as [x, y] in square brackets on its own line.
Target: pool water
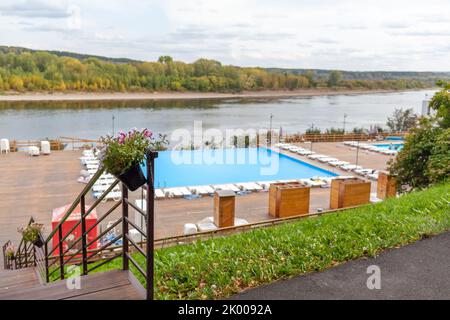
[206, 167]
[391, 146]
[394, 138]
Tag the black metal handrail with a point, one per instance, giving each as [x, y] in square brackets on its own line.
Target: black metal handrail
[8, 262]
[25, 255]
[56, 258]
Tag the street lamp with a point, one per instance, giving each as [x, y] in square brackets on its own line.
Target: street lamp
[113, 124]
[270, 129]
[345, 117]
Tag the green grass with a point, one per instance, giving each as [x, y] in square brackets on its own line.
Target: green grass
[220, 267]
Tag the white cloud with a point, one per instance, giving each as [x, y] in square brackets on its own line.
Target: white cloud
[345, 34]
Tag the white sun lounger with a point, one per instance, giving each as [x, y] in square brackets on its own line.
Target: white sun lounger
[159, 194]
[314, 182]
[185, 191]
[33, 151]
[317, 156]
[92, 162]
[327, 181]
[115, 195]
[92, 166]
[326, 160]
[249, 186]
[265, 184]
[201, 190]
[373, 176]
[92, 171]
[364, 172]
[305, 152]
[350, 167]
[343, 177]
[173, 192]
[104, 187]
[338, 163]
[229, 186]
[107, 181]
[88, 153]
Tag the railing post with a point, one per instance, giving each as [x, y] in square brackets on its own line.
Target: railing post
[26, 255]
[61, 256]
[47, 279]
[151, 155]
[83, 233]
[125, 263]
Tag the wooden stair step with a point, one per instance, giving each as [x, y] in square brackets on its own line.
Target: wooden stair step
[18, 279]
[114, 284]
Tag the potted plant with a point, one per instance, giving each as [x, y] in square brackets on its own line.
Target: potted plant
[122, 155]
[10, 252]
[32, 233]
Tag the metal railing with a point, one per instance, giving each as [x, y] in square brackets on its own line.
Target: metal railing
[8, 262]
[26, 253]
[52, 259]
[82, 251]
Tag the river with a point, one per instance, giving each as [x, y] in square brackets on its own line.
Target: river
[92, 119]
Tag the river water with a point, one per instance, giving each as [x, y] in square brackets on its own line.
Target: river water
[84, 119]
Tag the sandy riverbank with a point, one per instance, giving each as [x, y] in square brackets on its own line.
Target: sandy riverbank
[79, 96]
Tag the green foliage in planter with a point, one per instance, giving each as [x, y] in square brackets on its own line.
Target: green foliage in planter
[127, 149]
[32, 232]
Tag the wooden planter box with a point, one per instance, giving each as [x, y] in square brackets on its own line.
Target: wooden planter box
[288, 199]
[224, 208]
[386, 185]
[349, 193]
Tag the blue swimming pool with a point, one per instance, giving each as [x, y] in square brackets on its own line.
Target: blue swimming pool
[206, 167]
[391, 146]
[394, 138]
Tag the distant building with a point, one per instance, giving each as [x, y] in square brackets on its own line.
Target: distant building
[426, 110]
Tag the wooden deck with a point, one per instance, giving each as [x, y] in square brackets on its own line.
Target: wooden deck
[17, 279]
[37, 185]
[109, 285]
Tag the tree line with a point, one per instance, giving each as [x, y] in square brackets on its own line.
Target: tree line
[43, 71]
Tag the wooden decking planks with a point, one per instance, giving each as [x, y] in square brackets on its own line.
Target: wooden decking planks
[110, 285]
[17, 279]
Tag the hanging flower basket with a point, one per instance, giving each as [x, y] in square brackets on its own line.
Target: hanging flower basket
[38, 242]
[32, 233]
[133, 177]
[122, 155]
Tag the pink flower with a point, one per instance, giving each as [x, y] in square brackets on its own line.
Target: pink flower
[147, 133]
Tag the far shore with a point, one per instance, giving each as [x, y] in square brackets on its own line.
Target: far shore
[97, 96]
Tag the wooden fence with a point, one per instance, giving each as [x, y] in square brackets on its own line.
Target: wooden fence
[56, 144]
[325, 137]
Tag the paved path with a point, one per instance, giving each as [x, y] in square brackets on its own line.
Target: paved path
[417, 271]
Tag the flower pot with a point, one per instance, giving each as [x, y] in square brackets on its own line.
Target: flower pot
[133, 178]
[38, 243]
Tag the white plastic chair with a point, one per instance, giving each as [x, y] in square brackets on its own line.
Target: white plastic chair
[4, 146]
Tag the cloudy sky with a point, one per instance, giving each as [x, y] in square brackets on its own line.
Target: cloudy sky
[328, 34]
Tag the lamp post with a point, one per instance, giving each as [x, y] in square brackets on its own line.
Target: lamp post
[357, 148]
[357, 153]
[270, 129]
[345, 117]
[113, 124]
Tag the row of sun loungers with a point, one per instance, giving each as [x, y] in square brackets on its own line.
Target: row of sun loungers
[334, 162]
[370, 147]
[91, 163]
[238, 188]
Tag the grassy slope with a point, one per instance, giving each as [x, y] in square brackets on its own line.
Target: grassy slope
[219, 267]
